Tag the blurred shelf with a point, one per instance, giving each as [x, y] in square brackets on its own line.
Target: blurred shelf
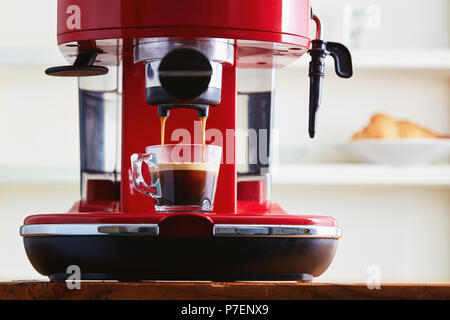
[437, 60]
[292, 174]
[362, 175]
[25, 174]
[31, 56]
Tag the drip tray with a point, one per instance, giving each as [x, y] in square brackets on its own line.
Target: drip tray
[131, 258]
[193, 246]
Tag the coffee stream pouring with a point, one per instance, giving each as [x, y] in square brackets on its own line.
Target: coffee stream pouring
[184, 76]
[162, 65]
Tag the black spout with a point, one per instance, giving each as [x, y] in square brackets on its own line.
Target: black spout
[163, 111]
[343, 66]
[202, 110]
[316, 74]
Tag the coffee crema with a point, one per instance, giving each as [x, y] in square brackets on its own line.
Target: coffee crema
[186, 184]
[194, 166]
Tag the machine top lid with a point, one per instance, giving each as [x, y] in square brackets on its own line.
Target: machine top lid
[262, 20]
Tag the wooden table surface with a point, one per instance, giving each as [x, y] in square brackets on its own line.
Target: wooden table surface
[219, 291]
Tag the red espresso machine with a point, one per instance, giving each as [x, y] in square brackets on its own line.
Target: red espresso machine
[140, 59]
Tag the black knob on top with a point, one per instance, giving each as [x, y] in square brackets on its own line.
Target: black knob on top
[82, 67]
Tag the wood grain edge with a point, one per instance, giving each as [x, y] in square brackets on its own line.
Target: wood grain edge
[218, 291]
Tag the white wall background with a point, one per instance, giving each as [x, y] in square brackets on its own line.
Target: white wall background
[402, 229]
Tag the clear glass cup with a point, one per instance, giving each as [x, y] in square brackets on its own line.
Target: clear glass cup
[183, 176]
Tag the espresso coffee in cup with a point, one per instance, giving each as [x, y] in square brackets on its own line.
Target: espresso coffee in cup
[183, 177]
[186, 184]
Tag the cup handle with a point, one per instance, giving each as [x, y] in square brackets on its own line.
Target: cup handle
[138, 180]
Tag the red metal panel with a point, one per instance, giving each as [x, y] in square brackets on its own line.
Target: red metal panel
[254, 191]
[141, 128]
[265, 20]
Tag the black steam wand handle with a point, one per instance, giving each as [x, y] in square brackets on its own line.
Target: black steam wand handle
[343, 67]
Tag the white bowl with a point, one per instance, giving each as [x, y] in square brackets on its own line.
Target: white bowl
[399, 151]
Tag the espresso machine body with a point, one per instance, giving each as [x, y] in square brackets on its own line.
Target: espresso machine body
[126, 54]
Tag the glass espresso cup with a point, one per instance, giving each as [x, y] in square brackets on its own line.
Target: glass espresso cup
[183, 176]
